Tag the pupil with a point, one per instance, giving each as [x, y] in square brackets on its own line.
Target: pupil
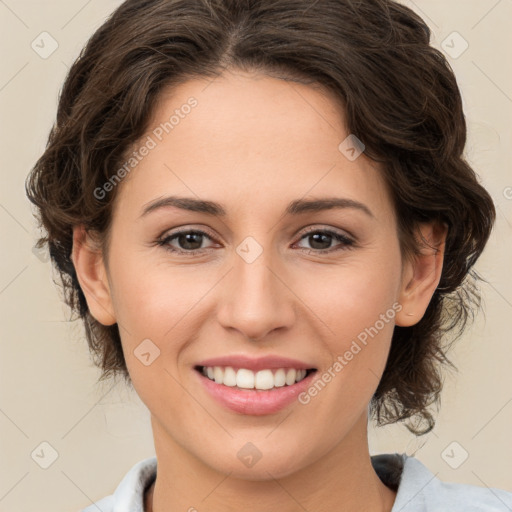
[184, 241]
[318, 236]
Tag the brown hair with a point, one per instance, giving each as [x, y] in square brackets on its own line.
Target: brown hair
[400, 97]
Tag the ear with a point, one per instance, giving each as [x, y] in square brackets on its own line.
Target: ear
[421, 274]
[88, 261]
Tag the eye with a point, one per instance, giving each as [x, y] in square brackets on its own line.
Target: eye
[321, 239]
[188, 241]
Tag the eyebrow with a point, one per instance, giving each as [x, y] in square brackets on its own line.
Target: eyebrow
[296, 207]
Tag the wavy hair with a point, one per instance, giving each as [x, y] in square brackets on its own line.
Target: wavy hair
[399, 95]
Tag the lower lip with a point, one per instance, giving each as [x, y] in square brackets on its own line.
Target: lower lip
[252, 401]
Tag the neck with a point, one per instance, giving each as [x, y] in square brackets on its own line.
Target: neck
[342, 479]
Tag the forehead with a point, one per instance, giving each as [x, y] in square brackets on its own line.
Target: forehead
[251, 137]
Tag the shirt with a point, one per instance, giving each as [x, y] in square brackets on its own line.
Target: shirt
[418, 489]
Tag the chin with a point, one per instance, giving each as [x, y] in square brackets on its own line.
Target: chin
[249, 463]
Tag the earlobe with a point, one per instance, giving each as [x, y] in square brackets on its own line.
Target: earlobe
[421, 276]
[91, 273]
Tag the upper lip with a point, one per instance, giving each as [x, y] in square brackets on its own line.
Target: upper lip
[256, 363]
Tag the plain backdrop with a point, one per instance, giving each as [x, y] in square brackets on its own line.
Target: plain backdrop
[52, 412]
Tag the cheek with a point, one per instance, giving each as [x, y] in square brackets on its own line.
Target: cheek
[150, 299]
[352, 297]
[157, 308]
[154, 306]
[358, 304]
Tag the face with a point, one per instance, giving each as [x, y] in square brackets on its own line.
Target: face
[255, 278]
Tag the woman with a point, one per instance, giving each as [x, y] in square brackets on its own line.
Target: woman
[262, 214]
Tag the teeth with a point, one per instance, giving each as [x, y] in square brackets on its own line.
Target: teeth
[229, 377]
[247, 379]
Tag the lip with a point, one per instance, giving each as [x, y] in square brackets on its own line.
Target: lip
[256, 363]
[251, 401]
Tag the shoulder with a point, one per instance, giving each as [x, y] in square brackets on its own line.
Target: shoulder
[420, 490]
[129, 494]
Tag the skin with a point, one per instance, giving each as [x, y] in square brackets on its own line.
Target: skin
[254, 143]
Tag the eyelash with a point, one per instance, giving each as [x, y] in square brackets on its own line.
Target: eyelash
[347, 243]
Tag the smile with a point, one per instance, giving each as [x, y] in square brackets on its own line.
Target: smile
[256, 393]
[244, 378]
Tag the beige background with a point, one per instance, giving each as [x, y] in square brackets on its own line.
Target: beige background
[47, 387]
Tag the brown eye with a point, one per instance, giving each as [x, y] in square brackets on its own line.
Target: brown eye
[185, 241]
[320, 241]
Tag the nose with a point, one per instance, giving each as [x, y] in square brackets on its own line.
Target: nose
[256, 300]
